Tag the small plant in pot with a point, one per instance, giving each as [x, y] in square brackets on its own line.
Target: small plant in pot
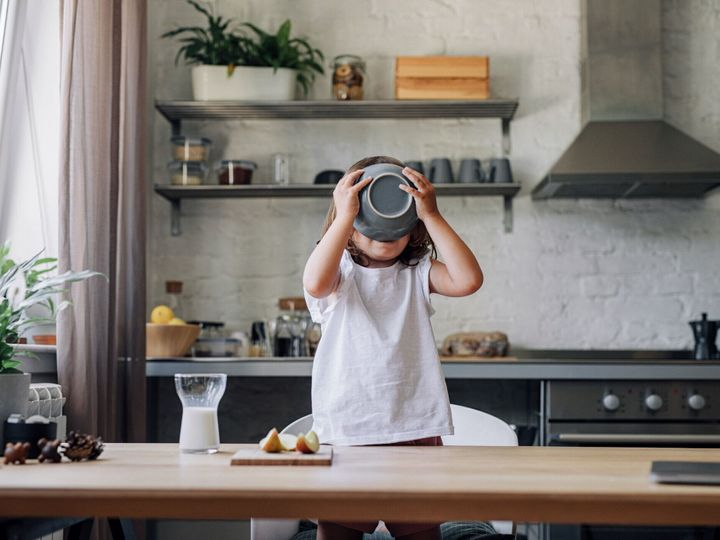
[25, 286]
[229, 64]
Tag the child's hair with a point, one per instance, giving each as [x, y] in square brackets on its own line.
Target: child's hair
[420, 242]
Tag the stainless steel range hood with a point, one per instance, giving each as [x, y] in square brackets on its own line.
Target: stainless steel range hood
[632, 159]
[626, 149]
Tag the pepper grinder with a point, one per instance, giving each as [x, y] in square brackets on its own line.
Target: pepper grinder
[705, 332]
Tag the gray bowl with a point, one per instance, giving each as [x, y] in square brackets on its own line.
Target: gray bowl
[386, 212]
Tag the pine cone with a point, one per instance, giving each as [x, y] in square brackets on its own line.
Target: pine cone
[79, 446]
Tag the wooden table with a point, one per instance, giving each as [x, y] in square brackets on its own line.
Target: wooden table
[524, 484]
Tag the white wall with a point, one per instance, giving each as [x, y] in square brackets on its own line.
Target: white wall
[573, 274]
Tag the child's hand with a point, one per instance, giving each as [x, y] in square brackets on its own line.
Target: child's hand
[424, 194]
[345, 195]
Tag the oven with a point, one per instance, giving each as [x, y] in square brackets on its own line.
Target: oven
[630, 413]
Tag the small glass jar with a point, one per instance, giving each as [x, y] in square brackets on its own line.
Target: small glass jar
[190, 148]
[187, 173]
[290, 328]
[348, 77]
[232, 172]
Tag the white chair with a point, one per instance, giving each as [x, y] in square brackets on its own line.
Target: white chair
[472, 428]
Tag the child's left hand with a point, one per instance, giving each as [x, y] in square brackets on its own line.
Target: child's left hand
[424, 194]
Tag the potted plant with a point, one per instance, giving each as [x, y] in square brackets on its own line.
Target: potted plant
[230, 65]
[24, 286]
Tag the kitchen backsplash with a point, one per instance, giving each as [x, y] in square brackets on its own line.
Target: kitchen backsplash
[594, 274]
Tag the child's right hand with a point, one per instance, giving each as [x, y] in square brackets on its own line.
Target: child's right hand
[345, 195]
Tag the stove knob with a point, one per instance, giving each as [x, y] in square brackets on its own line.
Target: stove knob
[611, 402]
[696, 402]
[654, 402]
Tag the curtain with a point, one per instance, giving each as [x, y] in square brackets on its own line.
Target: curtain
[102, 222]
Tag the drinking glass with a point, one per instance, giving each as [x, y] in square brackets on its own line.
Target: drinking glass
[200, 394]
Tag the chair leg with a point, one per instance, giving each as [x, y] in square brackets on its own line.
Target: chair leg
[121, 529]
[81, 531]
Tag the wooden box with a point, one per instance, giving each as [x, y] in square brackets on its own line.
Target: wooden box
[442, 77]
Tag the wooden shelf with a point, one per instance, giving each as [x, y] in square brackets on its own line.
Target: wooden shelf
[175, 194]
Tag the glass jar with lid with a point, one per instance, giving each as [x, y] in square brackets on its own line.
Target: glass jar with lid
[190, 148]
[231, 172]
[187, 173]
[290, 327]
[348, 77]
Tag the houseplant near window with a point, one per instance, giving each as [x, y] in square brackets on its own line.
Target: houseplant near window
[23, 286]
[231, 65]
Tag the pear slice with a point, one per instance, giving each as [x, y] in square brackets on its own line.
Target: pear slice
[272, 443]
[308, 443]
[288, 441]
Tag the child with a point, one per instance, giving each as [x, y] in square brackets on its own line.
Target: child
[377, 379]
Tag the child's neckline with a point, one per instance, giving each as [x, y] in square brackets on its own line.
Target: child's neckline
[393, 266]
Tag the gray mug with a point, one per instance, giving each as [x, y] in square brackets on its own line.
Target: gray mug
[416, 166]
[500, 171]
[441, 171]
[471, 171]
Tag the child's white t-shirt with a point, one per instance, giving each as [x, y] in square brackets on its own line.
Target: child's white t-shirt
[376, 377]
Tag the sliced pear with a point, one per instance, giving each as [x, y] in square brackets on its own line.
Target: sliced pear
[308, 443]
[288, 441]
[271, 443]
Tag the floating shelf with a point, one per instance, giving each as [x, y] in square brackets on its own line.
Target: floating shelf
[175, 194]
[177, 111]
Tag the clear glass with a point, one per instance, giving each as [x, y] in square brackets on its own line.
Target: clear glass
[200, 394]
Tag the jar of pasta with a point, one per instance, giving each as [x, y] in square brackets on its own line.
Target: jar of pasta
[348, 77]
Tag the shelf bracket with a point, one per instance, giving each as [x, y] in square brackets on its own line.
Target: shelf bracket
[508, 213]
[176, 127]
[175, 228]
[506, 137]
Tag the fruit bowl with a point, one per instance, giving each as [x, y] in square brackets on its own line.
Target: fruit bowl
[169, 340]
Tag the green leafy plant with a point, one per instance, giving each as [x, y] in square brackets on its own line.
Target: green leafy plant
[22, 286]
[280, 50]
[221, 43]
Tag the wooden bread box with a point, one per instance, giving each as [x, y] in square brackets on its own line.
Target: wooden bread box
[442, 77]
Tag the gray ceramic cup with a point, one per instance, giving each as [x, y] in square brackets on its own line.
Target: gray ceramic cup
[441, 171]
[471, 171]
[416, 166]
[500, 171]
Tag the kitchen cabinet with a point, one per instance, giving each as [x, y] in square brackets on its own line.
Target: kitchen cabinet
[176, 112]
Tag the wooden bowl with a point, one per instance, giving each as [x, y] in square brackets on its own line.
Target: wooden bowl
[169, 340]
[45, 339]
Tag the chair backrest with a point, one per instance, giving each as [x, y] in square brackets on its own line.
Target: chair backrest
[472, 428]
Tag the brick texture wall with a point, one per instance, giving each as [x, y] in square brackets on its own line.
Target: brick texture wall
[573, 274]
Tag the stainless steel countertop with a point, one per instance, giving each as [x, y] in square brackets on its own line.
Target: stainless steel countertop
[529, 365]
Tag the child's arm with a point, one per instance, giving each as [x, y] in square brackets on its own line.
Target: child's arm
[321, 276]
[460, 275]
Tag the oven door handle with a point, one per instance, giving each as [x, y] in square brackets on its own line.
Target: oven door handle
[631, 438]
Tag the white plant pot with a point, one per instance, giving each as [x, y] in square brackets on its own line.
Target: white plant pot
[14, 390]
[211, 83]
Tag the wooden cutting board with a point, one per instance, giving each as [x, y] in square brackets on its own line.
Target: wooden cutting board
[255, 456]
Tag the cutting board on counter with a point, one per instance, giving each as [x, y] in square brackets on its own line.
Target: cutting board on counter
[475, 359]
[255, 456]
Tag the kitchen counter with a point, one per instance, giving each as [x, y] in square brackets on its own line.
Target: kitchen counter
[524, 365]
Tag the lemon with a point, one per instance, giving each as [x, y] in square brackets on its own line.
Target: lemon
[176, 320]
[161, 315]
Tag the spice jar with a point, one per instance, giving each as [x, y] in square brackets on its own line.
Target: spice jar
[187, 173]
[348, 77]
[190, 148]
[231, 172]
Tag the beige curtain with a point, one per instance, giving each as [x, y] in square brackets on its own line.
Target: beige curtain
[101, 338]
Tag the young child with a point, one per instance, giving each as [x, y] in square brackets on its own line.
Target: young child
[377, 379]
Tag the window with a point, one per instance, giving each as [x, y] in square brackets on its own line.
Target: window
[29, 125]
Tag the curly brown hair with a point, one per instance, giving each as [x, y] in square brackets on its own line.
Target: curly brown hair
[420, 242]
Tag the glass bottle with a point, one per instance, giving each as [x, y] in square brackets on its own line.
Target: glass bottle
[173, 297]
[348, 77]
[290, 327]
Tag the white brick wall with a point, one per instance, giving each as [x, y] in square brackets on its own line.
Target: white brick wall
[573, 274]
